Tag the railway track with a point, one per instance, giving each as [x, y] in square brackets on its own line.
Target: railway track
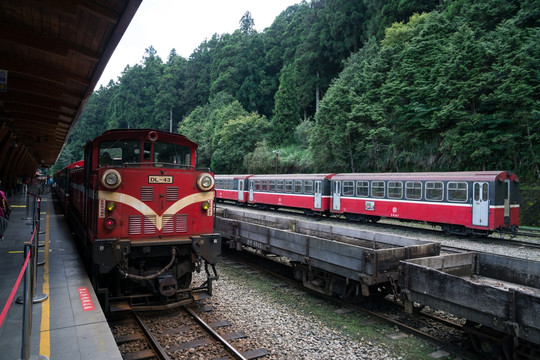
[134, 339]
[449, 335]
[180, 332]
[529, 232]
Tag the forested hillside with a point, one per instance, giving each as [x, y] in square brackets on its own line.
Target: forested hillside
[346, 85]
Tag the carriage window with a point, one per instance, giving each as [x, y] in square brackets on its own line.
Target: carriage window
[118, 152]
[348, 188]
[477, 192]
[395, 189]
[377, 188]
[298, 186]
[257, 185]
[264, 186]
[413, 190]
[219, 184]
[279, 186]
[230, 184]
[434, 191]
[362, 188]
[308, 186]
[457, 191]
[288, 186]
[480, 192]
[171, 154]
[272, 185]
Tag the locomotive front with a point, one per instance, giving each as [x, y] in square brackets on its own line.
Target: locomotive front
[151, 214]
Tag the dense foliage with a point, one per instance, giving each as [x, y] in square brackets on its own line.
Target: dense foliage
[346, 85]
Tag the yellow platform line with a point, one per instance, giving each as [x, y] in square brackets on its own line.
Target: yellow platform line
[45, 337]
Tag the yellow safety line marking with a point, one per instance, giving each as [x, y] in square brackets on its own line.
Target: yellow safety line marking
[21, 251]
[18, 206]
[45, 338]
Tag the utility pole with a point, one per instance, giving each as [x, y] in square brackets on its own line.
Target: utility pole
[170, 126]
[277, 158]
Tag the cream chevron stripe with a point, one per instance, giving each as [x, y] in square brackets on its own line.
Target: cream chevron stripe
[147, 211]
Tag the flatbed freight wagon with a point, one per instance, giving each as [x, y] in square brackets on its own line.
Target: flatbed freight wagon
[498, 295]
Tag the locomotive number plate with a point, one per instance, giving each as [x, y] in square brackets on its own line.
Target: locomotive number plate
[155, 179]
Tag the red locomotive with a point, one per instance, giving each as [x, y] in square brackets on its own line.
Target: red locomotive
[460, 202]
[145, 216]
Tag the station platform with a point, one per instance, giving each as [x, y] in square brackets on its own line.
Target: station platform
[61, 327]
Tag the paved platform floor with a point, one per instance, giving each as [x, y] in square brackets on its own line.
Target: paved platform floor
[61, 327]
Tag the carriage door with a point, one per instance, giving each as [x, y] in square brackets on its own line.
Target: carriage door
[481, 204]
[336, 196]
[318, 195]
[240, 190]
[507, 202]
[251, 187]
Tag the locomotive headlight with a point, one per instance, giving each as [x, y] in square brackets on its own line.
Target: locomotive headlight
[111, 179]
[205, 181]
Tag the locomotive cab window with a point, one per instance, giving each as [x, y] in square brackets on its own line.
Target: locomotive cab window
[118, 152]
[395, 189]
[434, 191]
[413, 190]
[457, 191]
[172, 154]
[377, 189]
[348, 188]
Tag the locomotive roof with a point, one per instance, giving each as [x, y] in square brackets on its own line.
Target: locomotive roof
[164, 135]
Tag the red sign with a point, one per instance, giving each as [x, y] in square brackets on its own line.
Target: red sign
[86, 299]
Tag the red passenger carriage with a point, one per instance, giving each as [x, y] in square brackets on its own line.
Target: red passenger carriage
[460, 202]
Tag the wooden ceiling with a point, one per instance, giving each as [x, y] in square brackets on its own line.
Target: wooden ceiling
[53, 52]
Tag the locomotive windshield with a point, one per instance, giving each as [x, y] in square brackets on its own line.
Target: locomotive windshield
[171, 153]
[128, 153]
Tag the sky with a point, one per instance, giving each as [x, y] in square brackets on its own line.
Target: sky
[184, 25]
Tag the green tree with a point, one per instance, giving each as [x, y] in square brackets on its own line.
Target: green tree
[238, 137]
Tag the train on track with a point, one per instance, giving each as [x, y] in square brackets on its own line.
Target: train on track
[464, 203]
[144, 217]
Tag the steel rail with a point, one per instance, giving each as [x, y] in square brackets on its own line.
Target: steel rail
[208, 328]
[158, 349]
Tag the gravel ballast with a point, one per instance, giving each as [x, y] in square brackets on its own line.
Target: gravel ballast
[292, 324]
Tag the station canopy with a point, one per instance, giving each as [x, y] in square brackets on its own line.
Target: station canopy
[52, 54]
